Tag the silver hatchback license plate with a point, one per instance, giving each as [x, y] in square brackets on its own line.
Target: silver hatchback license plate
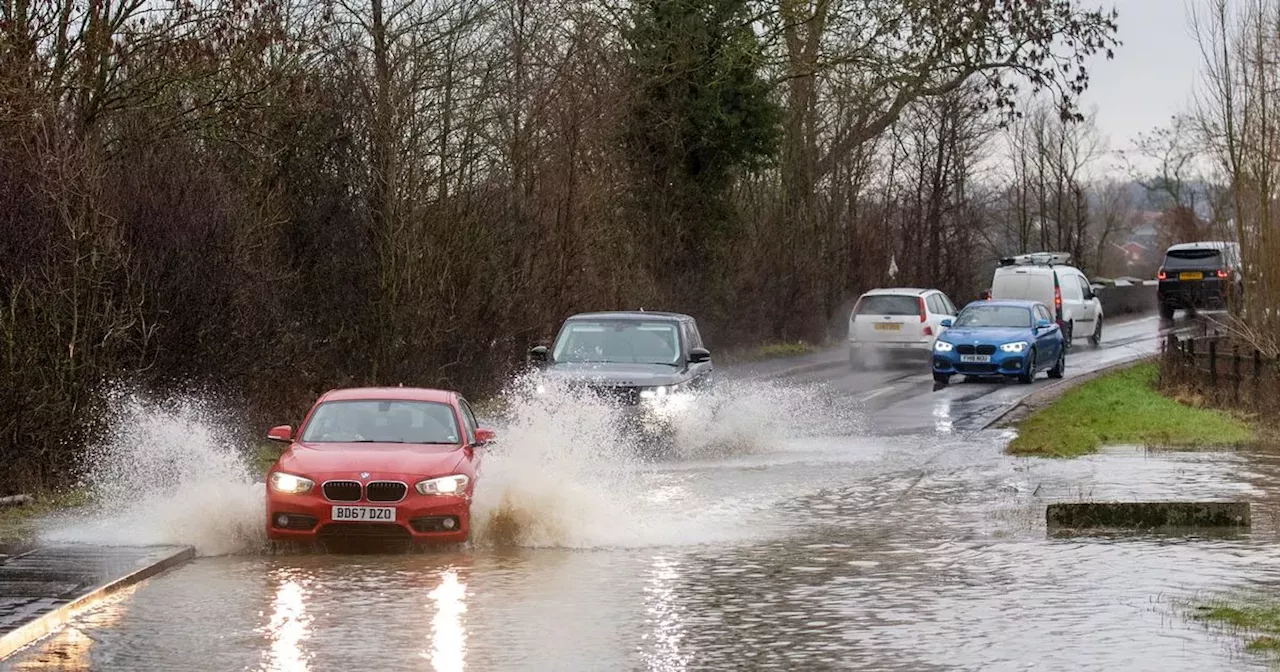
[975, 359]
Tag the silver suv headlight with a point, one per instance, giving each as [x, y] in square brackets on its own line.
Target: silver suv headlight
[654, 392]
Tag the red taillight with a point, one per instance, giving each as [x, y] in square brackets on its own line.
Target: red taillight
[1222, 273]
[1057, 297]
[923, 310]
[1162, 275]
[928, 331]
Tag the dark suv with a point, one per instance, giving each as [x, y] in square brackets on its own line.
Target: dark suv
[1203, 275]
[646, 362]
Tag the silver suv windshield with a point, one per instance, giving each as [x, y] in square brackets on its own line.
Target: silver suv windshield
[618, 341]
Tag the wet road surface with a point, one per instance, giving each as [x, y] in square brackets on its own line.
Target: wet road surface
[880, 534]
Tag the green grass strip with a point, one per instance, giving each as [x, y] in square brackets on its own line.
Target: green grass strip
[1123, 408]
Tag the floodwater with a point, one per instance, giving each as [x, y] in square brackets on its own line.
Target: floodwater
[785, 538]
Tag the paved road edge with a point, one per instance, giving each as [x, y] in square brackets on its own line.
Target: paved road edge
[1050, 393]
[799, 370]
[46, 624]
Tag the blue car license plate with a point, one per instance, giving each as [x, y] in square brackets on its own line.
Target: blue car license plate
[975, 359]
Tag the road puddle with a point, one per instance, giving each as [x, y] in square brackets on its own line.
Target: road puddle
[817, 550]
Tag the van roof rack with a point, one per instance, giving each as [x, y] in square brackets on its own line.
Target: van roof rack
[1037, 259]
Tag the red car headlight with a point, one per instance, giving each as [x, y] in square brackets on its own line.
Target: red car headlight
[290, 484]
[445, 485]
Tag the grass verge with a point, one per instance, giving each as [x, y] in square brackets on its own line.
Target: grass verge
[1123, 407]
[264, 455]
[17, 523]
[1258, 623]
[765, 351]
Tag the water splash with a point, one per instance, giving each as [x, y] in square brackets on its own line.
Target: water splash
[568, 473]
[565, 473]
[166, 471]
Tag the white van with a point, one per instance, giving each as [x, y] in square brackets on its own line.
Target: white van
[1049, 278]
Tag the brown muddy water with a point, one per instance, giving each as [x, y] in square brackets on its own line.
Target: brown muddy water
[760, 548]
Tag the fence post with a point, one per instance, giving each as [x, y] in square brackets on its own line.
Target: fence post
[1213, 365]
[1235, 373]
[1257, 375]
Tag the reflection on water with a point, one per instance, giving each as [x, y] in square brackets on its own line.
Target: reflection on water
[663, 606]
[448, 634]
[942, 422]
[71, 648]
[288, 628]
[68, 650]
[911, 553]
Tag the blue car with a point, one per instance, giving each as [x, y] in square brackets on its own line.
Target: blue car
[1014, 339]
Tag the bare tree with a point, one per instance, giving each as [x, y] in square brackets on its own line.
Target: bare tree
[1237, 117]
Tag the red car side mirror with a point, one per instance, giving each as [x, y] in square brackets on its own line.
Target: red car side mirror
[484, 436]
[283, 433]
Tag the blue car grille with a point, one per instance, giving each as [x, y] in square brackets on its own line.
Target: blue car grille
[979, 349]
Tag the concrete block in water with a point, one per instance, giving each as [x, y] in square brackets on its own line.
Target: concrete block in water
[1147, 515]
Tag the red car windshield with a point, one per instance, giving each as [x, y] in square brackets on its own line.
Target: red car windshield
[382, 421]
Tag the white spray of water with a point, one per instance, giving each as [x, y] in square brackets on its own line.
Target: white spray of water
[166, 472]
[567, 474]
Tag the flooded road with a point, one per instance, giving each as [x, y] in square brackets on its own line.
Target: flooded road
[861, 530]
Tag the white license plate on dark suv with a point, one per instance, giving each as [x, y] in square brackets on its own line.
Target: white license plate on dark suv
[365, 514]
[975, 359]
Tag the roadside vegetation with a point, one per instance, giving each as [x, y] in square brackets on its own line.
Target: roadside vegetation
[1124, 407]
[1255, 621]
[771, 350]
[271, 200]
[17, 521]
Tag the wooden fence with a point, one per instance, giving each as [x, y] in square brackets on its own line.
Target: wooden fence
[1225, 372]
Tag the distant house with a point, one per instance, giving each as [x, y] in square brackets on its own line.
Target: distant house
[1141, 248]
[1133, 250]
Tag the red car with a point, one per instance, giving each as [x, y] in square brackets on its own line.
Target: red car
[382, 462]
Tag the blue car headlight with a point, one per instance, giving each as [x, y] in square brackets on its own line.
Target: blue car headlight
[1014, 347]
[942, 346]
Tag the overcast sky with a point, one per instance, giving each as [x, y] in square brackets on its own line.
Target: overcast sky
[1153, 74]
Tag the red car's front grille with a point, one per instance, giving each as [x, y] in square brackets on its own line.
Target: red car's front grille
[385, 491]
[342, 491]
